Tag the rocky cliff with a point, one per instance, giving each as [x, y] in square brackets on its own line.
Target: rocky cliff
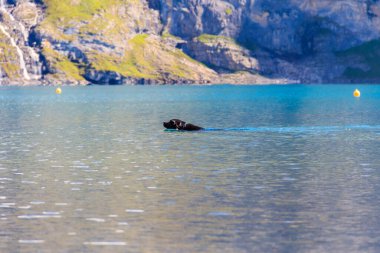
[189, 41]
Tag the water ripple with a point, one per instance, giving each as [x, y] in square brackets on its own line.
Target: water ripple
[301, 129]
[105, 243]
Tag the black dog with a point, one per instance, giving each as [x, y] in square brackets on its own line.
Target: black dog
[181, 125]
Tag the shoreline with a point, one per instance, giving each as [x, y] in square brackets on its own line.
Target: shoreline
[179, 84]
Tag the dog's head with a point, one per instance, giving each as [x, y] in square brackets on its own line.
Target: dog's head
[174, 124]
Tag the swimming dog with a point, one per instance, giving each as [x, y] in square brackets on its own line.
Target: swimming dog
[181, 125]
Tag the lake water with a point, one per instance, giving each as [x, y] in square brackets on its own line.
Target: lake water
[279, 169]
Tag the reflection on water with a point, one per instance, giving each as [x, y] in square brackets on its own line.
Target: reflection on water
[92, 170]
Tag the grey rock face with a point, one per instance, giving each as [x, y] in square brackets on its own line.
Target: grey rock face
[189, 19]
[293, 33]
[301, 40]
[103, 77]
[287, 26]
[222, 54]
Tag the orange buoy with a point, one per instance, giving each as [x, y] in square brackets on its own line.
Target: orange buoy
[356, 93]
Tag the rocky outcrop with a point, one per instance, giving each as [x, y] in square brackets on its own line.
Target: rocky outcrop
[20, 60]
[222, 54]
[119, 44]
[189, 41]
[293, 39]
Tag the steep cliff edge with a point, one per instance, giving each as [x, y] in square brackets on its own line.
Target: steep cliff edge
[292, 39]
[188, 41]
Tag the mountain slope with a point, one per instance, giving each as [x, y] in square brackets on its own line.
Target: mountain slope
[188, 41]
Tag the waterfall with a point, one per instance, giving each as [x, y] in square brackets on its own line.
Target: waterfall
[19, 52]
[22, 64]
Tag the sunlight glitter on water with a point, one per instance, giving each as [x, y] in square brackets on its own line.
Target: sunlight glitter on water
[105, 243]
[97, 173]
[31, 241]
[38, 216]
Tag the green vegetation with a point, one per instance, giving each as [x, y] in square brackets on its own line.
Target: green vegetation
[213, 39]
[86, 17]
[11, 70]
[61, 64]
[369, 53]
[110, 22]
[63, 12]
[177, 67]
[209, 38]
[167, 35]
[146, 58]
[9, 60]
[228, 11]
[132, 64]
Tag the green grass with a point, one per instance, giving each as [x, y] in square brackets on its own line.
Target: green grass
[142, 56]
[62, 12]
[11, 70]
[369, 53]
[86, 16]
[146, 58]
[132, 64]
[139, 40]
[167, 35]
[70, 69]
[9, 59]
[62, 64]
[209, 38]
[228, 11]
[176, 68]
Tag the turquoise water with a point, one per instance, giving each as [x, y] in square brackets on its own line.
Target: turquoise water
[278, 169]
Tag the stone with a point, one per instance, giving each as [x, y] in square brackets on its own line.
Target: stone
[162, 41]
